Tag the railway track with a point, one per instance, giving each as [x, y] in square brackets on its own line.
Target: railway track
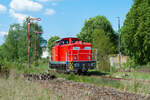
[121, 79]
[102, 76]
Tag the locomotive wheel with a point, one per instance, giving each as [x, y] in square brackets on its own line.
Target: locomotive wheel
[79, 72]
[84, 69]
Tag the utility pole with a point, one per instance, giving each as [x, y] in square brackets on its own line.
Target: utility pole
[119, 52]
[28, 20]
[35, 47]
[96, 58]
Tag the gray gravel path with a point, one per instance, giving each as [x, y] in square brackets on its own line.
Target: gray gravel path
[69, 90]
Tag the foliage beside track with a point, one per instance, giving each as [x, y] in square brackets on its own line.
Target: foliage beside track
[22, 67]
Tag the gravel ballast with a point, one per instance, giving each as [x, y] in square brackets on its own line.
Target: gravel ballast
[69, 90]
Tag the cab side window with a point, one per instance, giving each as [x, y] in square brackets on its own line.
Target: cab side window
[62, 43]
[73, 41]
[66, 42]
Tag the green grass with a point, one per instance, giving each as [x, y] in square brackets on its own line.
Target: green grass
[36, 69]
[24, 67]
[133, 75]
[91, 80]
[16, 87]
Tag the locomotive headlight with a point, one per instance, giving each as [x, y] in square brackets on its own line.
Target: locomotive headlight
[75, 58]
[89, 57]
[93, 64]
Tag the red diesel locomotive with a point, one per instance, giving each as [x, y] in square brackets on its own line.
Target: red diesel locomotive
[71, 54]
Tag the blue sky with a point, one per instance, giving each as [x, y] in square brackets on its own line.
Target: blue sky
[60, 17]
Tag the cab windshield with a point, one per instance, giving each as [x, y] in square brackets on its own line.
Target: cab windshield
[64, 42]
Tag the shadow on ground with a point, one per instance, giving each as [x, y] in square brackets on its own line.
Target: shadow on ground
[96, 73]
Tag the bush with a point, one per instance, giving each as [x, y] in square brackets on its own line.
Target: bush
[71, 76]
[4, 69]
[129, 65]
[3, 64]
[6, 66]
[148, 65]
[105, 66]
[44, 61]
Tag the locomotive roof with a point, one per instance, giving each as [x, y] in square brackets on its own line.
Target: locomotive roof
[67, 38]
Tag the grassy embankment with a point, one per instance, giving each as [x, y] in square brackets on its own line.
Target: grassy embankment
[132, 86]
[18, 88]
[13, 85]
[123, 85]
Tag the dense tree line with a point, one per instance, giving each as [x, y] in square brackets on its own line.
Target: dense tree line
[104, 47]
[135, 32]
[15, 47]
[101, 23]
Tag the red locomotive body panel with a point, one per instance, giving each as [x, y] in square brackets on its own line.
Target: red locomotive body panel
[69, 51]
[72, 50]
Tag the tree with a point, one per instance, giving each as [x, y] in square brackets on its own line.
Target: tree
[135, 32]
[10, 47]
[15, 47]
[51, 43]
[104, 47]
[97, 22]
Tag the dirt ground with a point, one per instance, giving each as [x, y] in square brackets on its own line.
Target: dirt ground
[69, 90]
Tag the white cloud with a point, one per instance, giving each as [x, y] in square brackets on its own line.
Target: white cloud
[3, 33]
[50, 11]
[2, 8]
[20, 17]
[25, 5]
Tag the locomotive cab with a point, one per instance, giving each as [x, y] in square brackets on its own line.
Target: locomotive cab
[71, 54]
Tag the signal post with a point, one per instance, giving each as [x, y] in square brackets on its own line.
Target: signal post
[28, 20]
